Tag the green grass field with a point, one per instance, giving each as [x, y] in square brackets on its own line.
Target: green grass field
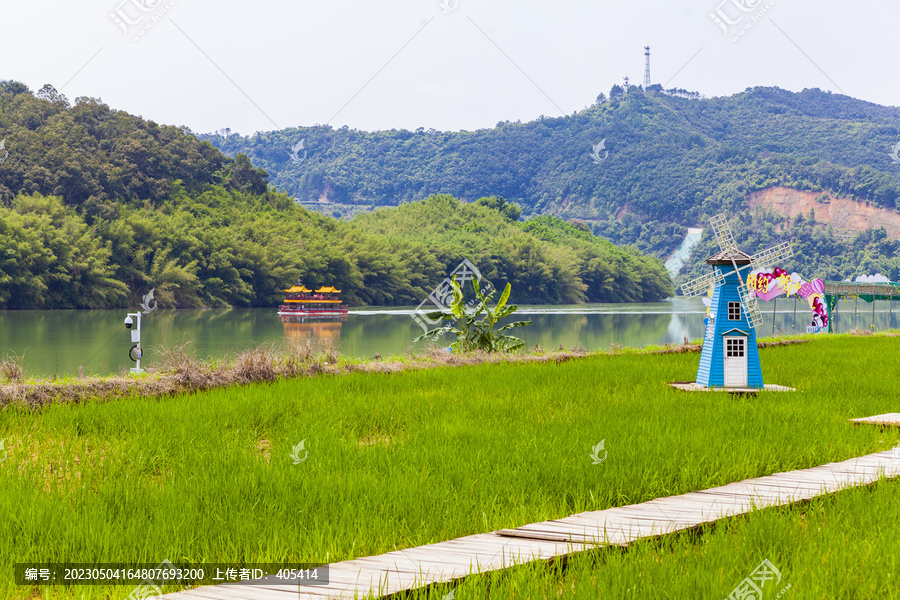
[398, 460]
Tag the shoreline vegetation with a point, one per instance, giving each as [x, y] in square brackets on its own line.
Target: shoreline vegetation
[220, 247]
[182, 372]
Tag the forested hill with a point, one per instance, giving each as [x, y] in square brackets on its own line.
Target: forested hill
[98, 206]
[96, 158]
[544, 258]
[667, 161]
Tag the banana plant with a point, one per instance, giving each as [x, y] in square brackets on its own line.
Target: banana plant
[473, 333]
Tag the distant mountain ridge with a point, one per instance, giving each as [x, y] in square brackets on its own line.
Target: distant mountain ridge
[667, 156]
[667, 162]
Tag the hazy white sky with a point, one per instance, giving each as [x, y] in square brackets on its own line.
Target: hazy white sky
[466, 64]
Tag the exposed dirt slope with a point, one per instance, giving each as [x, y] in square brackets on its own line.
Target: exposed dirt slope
[842, 213]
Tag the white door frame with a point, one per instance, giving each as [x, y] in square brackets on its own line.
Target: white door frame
[736, 375]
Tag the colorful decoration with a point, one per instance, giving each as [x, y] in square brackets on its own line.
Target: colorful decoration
[769, 284]
[710, 320]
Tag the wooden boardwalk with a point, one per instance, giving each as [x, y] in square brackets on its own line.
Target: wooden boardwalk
[885, 419]
[447, 561]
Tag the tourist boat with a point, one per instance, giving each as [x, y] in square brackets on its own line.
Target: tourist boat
[305, 303]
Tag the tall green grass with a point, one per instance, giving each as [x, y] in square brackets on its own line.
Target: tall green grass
[405, 459]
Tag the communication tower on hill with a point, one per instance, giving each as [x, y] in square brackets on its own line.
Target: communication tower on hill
[647, 67]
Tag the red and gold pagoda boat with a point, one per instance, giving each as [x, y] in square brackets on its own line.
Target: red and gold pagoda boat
[303, 302]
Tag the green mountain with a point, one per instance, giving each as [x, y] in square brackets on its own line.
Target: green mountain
[665, 153]
[98, 206]
[668, 160]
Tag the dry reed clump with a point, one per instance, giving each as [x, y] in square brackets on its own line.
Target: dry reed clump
[307, 356]
[615, 348]
[11, 368]
[328, 350]
[302, 351]
[859, 331]
[258, 364]
[679, 348]
[442, 356]
[186, 371]
[41, 393]
[438, 354]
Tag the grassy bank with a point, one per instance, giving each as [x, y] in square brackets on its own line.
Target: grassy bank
[182, 371]
[407, 458]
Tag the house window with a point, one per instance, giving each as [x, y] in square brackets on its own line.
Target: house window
[734, 348]
[734, 311]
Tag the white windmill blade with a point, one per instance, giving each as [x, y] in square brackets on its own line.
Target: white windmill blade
[751, 307]
[773, 255]
[722, 231]
[702, 284]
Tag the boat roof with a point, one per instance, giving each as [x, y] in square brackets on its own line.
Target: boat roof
[302, 289]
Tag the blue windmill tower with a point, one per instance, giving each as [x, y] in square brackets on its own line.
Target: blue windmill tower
[730, 357]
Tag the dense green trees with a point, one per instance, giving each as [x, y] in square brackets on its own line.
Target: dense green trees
[609, 273]
[545, 259]
[227, 247]
[49, 257]
[509, 210]
[91, 155]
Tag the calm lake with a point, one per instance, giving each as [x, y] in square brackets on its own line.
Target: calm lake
[58, 342]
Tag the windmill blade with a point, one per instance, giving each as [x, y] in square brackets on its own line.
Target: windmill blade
[750, 305]
[702, 284]
[722, 231]
[773, 255]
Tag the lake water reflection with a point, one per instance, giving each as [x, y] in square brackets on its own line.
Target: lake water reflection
[58, 342]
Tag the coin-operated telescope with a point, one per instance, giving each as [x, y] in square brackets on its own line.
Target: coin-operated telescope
[133, 323]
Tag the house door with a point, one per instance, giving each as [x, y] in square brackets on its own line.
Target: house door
[735, 362]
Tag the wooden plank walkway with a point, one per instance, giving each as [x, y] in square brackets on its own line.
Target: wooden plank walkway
[447, 561]
[885, 419]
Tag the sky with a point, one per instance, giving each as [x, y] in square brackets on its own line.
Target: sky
[442, 64]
